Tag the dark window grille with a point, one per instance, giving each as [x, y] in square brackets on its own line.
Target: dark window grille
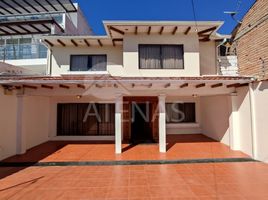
[161, 56]
[82, 119]
[88, 63]
[180, 113]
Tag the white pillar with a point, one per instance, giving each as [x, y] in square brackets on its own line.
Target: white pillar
[253, 122]
[234, 124]
[118, 124]
[162, 123]
[20, 137]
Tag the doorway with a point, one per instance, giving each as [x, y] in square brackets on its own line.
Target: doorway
[141, 131]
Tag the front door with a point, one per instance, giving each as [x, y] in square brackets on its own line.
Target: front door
[141, 130]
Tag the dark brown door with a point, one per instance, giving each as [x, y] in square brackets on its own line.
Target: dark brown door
[141, 130]
[152, 126]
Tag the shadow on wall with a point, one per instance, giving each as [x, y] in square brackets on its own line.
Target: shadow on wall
[262, 86]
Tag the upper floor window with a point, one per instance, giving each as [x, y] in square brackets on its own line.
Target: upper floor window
[88, 63]
[161, 56]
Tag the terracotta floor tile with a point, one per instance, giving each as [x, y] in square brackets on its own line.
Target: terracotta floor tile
[117, 192]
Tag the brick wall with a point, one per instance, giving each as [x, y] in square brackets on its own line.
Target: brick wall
[252, 42]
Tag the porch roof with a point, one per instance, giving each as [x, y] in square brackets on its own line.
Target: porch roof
[215, 81]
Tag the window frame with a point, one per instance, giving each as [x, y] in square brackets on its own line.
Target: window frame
[183, 122]
[89, 55]
[161, 58]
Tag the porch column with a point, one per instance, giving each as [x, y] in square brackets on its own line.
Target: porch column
[162, 123]
[118, 124]
[234, 123]
[20, 137]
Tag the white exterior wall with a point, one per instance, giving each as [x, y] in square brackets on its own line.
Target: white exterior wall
[61, 58]
[242, 130]
[215, 115]
[131, 55]
[38, 65]
[260, 99]
[208, 58]
[8, 110]
[35, 120]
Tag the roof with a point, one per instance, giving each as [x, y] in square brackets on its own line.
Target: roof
[115, 31]
[26, 7]
[74, 78]
[28, 17]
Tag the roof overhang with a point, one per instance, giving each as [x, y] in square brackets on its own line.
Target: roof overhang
[106, 86]
[81, 41]
[28, 27]
[206, 30]
[11, 8]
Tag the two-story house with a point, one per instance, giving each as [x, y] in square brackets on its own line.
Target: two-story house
[140, 83]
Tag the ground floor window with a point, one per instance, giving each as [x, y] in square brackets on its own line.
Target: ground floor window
[84, 119]
[180, 113]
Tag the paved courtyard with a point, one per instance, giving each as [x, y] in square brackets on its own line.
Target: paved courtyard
[184, 181]
[227, 180]
[195, 146]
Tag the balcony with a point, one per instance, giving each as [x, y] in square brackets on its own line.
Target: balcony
[227, 65]
[22, 51]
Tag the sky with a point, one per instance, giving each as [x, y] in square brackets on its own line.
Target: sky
[97, 11]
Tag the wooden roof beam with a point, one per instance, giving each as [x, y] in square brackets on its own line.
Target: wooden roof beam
[61, 42]
[81, 86]
[217, 85]
[200, 33]
[48, 42]
[86, 42]
[167, 85]
[184, 85]
[116, 30]
[100, 43]
[149, 30]
[200, 85]
[74, 43]
[64, 86]
[161, 30]
[187, 30]
[233, 85]
[47, 87]
[174, 30]
[29, 87]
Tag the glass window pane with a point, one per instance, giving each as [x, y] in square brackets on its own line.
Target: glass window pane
[150, 56]
[79, 63]
[98, 63]
[172, 56]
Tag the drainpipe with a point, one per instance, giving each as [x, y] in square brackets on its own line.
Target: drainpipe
[253, 121]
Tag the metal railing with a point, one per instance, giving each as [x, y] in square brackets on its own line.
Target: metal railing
[22, 51]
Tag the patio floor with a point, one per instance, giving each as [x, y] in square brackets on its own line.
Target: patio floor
[156, 182]
[179, 147]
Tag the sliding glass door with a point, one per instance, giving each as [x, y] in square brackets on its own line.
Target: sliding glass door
[83, 119]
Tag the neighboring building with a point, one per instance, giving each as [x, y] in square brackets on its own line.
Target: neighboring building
[251, 41]
[23, 22]
[139, 67]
